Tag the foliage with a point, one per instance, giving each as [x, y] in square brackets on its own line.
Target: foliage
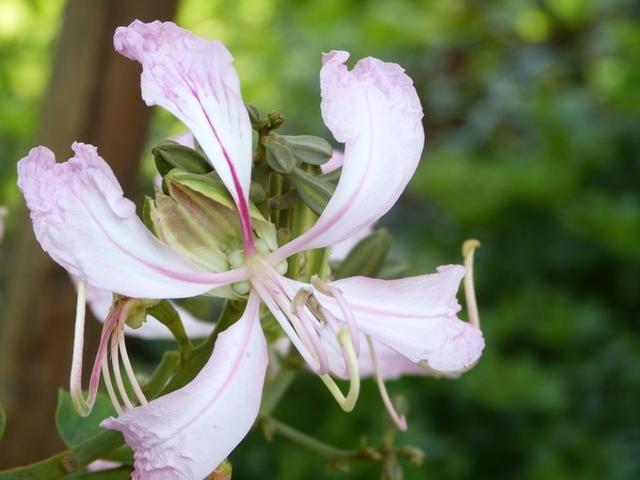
[532, 112]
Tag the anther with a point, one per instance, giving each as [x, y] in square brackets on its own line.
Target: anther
[349, 318]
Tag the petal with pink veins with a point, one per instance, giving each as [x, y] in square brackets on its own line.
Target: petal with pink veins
[186, 434]
[195, 80]
[416, 317]
[375, 111]
[82, 220]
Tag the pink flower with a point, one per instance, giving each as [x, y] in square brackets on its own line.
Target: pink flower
[82, 220]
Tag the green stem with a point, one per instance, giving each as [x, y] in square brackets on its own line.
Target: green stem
[306, 441]
[192, 362]
[69, 461]
[168, 364]
[167, 315]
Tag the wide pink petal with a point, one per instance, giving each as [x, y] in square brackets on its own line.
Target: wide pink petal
[416, 317]
[195, 80]
[82, 220]
[185, 435]
[392, 364]
[100, 303]
[375, 111]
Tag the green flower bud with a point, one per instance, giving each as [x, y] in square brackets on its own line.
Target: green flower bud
[279, 156]
[313, 190]
[307, 148]
[254, 115]
[169, 155]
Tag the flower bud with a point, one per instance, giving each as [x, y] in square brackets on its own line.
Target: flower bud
[169, 155]
[279, 156]
[313, 190]
[307, 148]
[254, 115]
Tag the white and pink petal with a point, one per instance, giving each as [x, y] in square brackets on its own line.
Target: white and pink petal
[375, 111]
[195, 80]
[186, 434]
[81, 218]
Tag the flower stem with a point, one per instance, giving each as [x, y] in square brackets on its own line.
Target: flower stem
[274, 426]
[69, 461]
[167, 315]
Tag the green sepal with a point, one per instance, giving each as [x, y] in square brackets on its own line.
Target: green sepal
[211, 187]
[279, 156]
[333, 176]
[307, 148]
[169, 155]
[192, 224]
[313, 190]
[367, 257]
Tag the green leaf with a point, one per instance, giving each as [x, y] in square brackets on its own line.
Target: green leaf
[279, 156]
[307, 148]
[75, 429]
[169, 155]
[367, 257]
[3, 421]
[313, 190]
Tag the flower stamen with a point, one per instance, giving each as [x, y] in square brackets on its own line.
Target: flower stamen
[349, 318]
[346, 403]
[84, 405]
[129, 370]
[109, 386]
[115, 365]
[468, 249]
[399, 420]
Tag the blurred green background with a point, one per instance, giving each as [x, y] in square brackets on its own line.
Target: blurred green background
[532, 114]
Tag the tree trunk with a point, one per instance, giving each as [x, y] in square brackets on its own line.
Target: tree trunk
[93, 96]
